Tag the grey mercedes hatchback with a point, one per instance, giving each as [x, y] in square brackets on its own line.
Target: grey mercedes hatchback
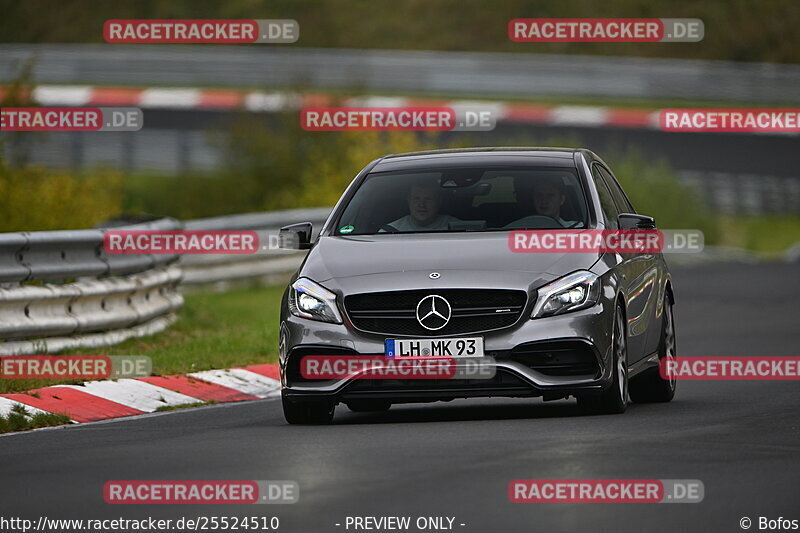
[415, 262]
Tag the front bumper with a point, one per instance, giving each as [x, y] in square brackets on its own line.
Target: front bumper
[553, 357]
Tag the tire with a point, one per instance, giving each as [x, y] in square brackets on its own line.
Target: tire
[314, 412]
[650, 387]
[614, 399]
[369, 406]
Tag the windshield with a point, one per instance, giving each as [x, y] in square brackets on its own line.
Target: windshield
[465, 199]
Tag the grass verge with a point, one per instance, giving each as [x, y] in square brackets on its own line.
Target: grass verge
[769, 235]
[19, 420]
[183, 406]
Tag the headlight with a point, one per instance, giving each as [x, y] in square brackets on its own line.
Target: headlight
[578, 290]
[313, 301]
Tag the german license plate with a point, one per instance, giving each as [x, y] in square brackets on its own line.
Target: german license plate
[453, 347]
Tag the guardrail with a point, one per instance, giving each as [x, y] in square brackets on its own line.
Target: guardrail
[517, 74]
[263, 267]
[60, 290]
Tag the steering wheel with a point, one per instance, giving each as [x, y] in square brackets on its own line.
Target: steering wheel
[389, 229]
[542, 222]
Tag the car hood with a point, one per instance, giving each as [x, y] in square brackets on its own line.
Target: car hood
[397, 262]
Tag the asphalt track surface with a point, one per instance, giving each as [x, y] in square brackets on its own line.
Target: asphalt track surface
[742, 439]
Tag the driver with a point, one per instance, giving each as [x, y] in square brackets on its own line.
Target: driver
[546, 196]
[424, 201]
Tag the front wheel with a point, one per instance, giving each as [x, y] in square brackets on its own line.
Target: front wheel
[614, 399]
[310, 412]
[650, 386]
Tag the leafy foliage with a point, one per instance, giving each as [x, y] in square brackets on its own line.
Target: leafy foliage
[738, 30]
[33, 198]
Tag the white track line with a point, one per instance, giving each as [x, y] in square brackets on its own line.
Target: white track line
[241, 380]
[133, 393]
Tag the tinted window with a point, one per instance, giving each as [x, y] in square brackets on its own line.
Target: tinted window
[610, 211]
[465, 199]
[616, 191]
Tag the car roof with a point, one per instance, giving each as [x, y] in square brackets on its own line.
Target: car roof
[455, 157]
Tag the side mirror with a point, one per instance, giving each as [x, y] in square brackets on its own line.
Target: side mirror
[296, 236]
[631, 221]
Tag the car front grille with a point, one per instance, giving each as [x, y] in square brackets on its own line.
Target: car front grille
[473, 311]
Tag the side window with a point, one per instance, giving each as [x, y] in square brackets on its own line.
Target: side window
[610, 210]
[616, 191]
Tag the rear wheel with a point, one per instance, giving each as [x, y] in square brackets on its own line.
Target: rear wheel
[314, 412]
[614, 399]
[369, 406]
[650, 386]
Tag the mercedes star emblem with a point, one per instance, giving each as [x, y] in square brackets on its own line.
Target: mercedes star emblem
[433, 312]
[434, 275]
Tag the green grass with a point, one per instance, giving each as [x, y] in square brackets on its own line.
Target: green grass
[214, 330]
[768, 235]
[183, 406]
[19, 420]
[22, 385]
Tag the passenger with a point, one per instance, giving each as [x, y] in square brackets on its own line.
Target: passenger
[545, 197]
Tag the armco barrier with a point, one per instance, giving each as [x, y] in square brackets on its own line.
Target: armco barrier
[266, 265]
[60, 289]
[440, 72]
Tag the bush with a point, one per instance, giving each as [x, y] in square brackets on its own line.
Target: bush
[330, 168]
[269, 167]
[286, 166]
[653, 189]
[33, 198]
[741, 30]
